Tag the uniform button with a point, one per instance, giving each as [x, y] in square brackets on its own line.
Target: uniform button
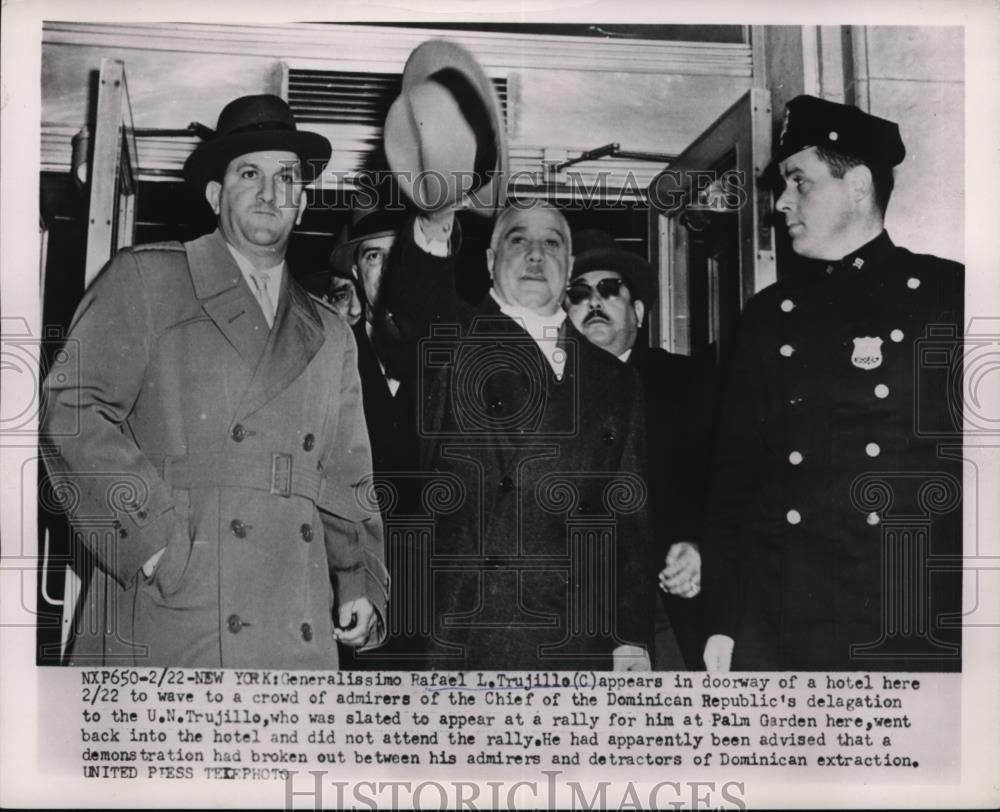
[507, 484]
[609, 436]
[795, 457]
[238, 433]
[787, 350]
[873, 518]
[881, 391]
[788, 305]
[913, 283]
[306, 532]
[496, 406]
[234, 623]
[142, 514]
[896, 335]
[123, 532]
[238, 528]
[307, 632]
[873, 450]
[308, 442]
[793, 517]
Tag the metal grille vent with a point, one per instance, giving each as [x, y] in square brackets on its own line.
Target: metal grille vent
[346, 97]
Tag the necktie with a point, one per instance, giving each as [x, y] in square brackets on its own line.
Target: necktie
[260, 281]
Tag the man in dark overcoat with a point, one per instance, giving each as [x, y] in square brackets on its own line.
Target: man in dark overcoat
[215, 416]
[608, 298]
[835, 519]
[540, 555]
[542, 552]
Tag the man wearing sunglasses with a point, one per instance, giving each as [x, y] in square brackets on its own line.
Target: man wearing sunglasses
[606, 300]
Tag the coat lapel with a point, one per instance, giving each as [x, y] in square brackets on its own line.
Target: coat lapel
[294, 340]
[225, 296]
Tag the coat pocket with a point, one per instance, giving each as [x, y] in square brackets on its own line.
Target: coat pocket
[172, 567]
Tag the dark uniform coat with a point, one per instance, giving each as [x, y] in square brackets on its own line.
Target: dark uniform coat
[541, 555]
[178, 420]
[837, 494]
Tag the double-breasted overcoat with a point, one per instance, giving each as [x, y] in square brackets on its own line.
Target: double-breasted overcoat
[175, 419]
[834, 527]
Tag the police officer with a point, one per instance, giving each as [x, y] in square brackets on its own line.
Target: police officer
[832, 505]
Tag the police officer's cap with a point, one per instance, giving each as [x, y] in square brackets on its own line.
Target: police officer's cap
[812, 122]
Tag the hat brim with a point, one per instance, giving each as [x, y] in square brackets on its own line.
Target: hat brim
[342, 256]
[402, 137]
[209, 160]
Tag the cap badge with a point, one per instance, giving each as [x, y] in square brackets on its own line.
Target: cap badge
[858, 262]
[867, 352]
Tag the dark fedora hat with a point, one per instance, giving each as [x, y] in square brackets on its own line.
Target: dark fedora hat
[364, 226]
[255, 124]
[596, 250]
[444, 135]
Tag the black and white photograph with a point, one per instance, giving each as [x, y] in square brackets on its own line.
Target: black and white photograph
[573, 407]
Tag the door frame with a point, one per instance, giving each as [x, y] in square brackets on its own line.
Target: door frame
[745, 131]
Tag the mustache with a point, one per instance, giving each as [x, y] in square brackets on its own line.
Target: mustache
[595, 315]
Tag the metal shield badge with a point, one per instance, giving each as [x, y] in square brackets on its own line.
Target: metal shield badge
[867, 353]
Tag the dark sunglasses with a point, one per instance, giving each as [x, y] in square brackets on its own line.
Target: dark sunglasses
[607, 288]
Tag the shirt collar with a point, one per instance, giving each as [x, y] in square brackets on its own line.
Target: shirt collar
[248, 269]
[543, 329]
[537, 326]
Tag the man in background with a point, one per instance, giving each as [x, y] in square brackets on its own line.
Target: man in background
[608, 299]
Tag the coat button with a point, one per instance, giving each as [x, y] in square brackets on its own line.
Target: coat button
[506, 484]
[793, 517]
[913, 283]
[795, 457]
[238, 433]
[873, 450]
[234, 623]
[142, 514]
[609, 436]
[873, 518]
[308, 442]
[238, 528]
[786, 350]
[881, 391]
[306, 532]
[787, 305]
[307, 632]
[123, 532]
[896, 335]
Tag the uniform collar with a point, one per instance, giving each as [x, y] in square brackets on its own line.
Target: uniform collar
[869, 255]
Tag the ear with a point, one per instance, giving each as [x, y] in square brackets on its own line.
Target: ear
[303, 203]
[859, 182]
[640, 311]
[491, 258]
[213, 193]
